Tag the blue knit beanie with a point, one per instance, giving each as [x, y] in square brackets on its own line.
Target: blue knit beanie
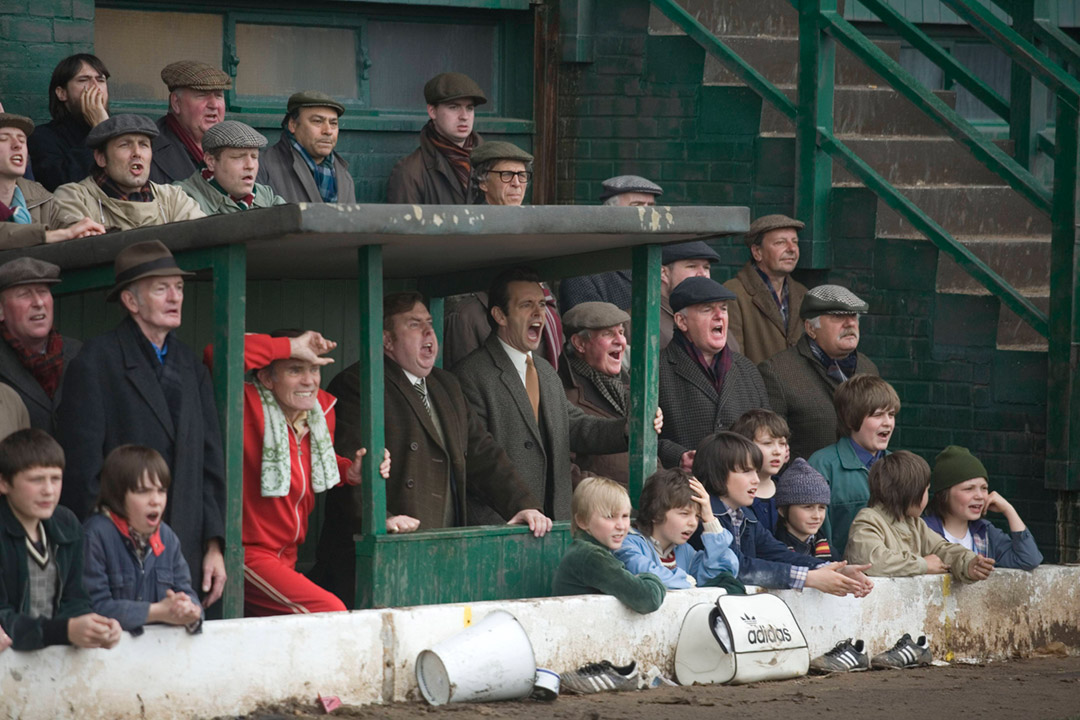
[801, 484]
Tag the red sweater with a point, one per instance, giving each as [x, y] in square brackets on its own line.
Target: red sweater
[277, 523]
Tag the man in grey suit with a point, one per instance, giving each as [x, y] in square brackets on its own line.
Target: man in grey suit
[705, 385]
[33, 355]
[519, 398]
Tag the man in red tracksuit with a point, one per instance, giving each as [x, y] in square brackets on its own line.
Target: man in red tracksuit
[284, 409]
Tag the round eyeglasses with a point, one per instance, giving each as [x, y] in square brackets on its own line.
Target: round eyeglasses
[507, 175]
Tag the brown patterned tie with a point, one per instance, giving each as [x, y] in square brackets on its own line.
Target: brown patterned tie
[532, 386]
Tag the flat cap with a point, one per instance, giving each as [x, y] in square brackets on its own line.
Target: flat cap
[120, 125]
[765, 223]
[195, 75]
[593, 316]
[17, 121]
[696, 291]
[232, 134]
[445, 87]
[499, 150]
[313, 98]
[688, 251]
[831, 300]
[629, 183]
[28, 271]
[140, 260]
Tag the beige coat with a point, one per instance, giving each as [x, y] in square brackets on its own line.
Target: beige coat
[39, 202]
[897, 548]
[13, 413]
[754, 320]
[74, 201]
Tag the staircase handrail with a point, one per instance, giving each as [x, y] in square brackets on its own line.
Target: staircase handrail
[1060, 43]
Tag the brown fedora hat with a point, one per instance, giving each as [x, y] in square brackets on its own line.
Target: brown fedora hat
[144, 259]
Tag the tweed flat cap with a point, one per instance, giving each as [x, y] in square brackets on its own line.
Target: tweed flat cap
[499, 150]
[629, 183]
[801, 484]
[765, 223]
[831, 300]
[696, 291]
[144, 259]
[28, 271]
[953, 465]
[120, 125]
[593, 316]
[17, 121]
[313, 98]
[195, 75]
[232, 134]
[445, 87]
[688, 251]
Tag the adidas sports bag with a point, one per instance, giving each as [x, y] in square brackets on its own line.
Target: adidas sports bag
[740, 639]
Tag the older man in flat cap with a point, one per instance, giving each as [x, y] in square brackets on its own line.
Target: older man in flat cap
[303, 166]
[802, 379]
[704, 385]
[119, 194]
[33, 355]
[27, 210]
[196, 104]
[139, 384]
[500, 173]
[765, 314]
[227, 183]
[437, 173]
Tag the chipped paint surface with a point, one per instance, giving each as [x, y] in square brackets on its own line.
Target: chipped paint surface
[368, 656]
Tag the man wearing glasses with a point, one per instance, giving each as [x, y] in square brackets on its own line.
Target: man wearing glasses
[500, 173]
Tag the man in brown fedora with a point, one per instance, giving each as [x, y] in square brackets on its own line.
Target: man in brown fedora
[138, 384]
[196, 104]
[437, 172]
[303, 166]
[764, 317]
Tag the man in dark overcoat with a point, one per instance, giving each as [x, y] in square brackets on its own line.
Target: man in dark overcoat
[196, 104]
[138, 384]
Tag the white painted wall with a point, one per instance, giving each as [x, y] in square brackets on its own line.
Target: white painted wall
[368, 656]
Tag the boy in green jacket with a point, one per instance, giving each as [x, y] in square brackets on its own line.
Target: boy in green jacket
[601, 512]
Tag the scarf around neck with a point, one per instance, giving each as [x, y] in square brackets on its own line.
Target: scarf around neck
[245, 201]
[16, 212]
[717, 370]
[276, 474]
[194, 149]
[322, 172]
[458, 157]
[839, 370]
[611, 388]
[45, 367]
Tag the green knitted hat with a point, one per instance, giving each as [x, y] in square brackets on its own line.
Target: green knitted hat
[953, 466]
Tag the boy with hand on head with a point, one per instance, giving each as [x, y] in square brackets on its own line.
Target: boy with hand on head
[668, 512]
[135, 571]
[802, 500]
[727, 464]
[771, 434]
[866, 408]
[601, 519]
[890, 534]
[42, 600]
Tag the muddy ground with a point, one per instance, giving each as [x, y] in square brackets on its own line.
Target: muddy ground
[1039, 688]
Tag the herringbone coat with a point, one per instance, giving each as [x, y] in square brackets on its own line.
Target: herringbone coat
[692, 408]
[754, 319]
[801, 391]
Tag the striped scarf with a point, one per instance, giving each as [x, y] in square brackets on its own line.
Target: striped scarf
[323, 172]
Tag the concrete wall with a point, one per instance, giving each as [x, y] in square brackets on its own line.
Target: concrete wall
[368, 656]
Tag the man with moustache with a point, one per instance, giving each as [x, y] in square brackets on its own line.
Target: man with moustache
[78, 102]
[303, 166]
[705, 385]
[802, 379]
[520, 400]
[764, 318]
[227, 183]
[437, 173]
[119, 194]
[196, 104]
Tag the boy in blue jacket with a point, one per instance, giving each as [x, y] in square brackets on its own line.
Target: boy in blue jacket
[668, 511]
[727, 465]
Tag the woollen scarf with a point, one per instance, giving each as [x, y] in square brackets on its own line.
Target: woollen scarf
[276, 474]
[458, 157]
[193, 147]
[16, 212]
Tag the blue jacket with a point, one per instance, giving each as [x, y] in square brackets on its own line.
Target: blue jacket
[639, 555]
[121, 588]
[763, 560]
[1009, 550]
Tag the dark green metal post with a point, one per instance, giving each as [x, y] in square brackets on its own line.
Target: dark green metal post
[370, 281]
[437, 308]
[813, 180]
[1063, 396]
[229, 267]
[1027, 97]
[644, 368]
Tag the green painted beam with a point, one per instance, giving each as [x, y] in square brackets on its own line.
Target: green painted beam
[989, 154]
[437, 308]
[922, 222]
[478, 4]
[373, 488]
[1058, 42]
[644, 361]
